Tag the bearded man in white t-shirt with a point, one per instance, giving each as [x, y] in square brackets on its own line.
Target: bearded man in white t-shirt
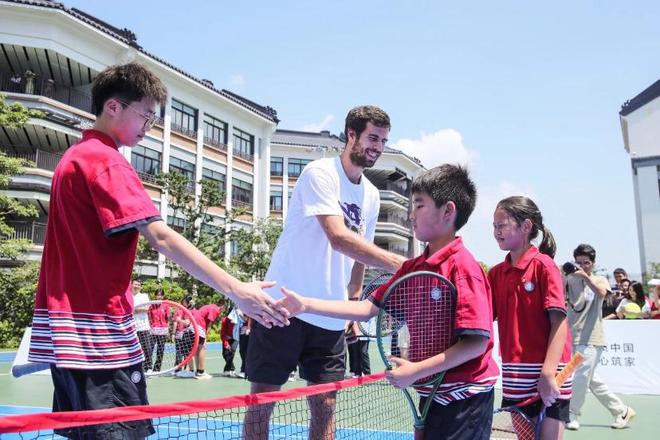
[326, 242]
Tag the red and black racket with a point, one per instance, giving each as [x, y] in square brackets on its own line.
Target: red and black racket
[416, 322]
[511, 423]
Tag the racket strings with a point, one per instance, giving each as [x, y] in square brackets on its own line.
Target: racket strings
[512, 424]
[420, 319]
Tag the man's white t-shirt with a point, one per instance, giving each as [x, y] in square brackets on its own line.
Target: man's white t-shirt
[141, 318]
[304, 260]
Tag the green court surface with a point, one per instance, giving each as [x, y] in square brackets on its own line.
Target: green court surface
[36, 391]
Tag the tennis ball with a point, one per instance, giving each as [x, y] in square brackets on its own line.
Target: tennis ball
[631, 308]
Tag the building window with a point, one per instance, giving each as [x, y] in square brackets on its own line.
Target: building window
[215, 131]
[214, 176]
[145, 160]
[241, 193]
[176, 223]
[295, 166]
[276, 200]
[183, 167]
[243, 144]
[276, 166]
[184, 118]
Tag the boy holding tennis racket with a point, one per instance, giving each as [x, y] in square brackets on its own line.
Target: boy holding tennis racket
[443, 200]
[529, 305]
[83, 325]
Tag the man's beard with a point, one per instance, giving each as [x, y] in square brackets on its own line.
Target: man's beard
[359, 157]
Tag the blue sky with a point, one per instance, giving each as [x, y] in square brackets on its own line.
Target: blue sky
[527, 94]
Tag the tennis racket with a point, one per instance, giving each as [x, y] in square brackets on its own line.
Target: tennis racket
[416, 322]
[172, 340]
[368, 328]
[511, 423]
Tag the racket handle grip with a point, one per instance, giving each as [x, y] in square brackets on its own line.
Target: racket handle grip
[29, 368]
[419, 433]
[570, 367]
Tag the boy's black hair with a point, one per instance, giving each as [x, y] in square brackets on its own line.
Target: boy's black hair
[449, 183]
[127, 82]
[585, 250]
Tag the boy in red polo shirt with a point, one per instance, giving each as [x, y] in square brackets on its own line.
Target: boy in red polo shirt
[83, 322]
[443, 199]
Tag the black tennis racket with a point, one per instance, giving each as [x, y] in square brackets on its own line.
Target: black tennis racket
[511, 423]
[368, 328]
[416, 322]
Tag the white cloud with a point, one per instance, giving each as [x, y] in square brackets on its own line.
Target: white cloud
[318, 126]
[237, 79]
[442, 146]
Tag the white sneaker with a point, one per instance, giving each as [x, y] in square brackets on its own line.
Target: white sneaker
[203, 376]
[240, 375]
[149, 371]
[292, 377]
[573, 425]
[185, 374]
[622, 420]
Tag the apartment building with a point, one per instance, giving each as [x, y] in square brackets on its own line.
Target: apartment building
[49, 56]
[640, 126]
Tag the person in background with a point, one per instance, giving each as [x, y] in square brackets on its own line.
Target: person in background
[654, 298]
[206, 316]
[140, 313]
[228, 329]
[245, 324]
[583, 286]
[158, 320]
[183, 339]
[634, 305]
[619, 276]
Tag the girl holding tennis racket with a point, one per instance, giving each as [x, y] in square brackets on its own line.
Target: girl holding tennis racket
[442, 300]
[528, 303]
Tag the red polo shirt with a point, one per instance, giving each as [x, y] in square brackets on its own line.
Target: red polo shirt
[205, 316]
[522, 296]
[83, 312]
[158, 319]
[473, 316]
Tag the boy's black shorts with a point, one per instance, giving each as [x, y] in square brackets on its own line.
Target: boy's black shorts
[274, 353]
[77, 390]
[558, 410]
[469, 418]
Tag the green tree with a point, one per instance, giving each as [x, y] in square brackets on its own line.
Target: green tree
[18, 284]
[254, 248]
[12, 116]
[17, 290]
[210, 240]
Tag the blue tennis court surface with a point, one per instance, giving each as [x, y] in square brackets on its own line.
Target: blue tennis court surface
[208, 428]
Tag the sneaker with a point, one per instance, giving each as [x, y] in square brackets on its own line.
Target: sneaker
[185, 374]
[240, 375]
[622, 420]
[232, 373]
[149, 371]
[292, 377]
[573, 425]
[203, 376]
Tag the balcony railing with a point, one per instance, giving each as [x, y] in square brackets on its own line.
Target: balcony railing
[241, 204]
[396, 219]
[49, 88]
[148, 177]
[35, 232]
[45, 160]
[389, 186]
[243, 155]
[215, 143]
[184, 130]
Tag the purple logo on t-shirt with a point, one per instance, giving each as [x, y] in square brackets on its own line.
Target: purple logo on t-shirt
[353, 217]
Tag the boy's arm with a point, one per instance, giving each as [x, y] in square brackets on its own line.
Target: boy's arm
[353, 245]
[351, 310]
[406, 373]
[248, 296]
[547, 386]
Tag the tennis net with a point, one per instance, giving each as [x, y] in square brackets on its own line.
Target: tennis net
[367, 408]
